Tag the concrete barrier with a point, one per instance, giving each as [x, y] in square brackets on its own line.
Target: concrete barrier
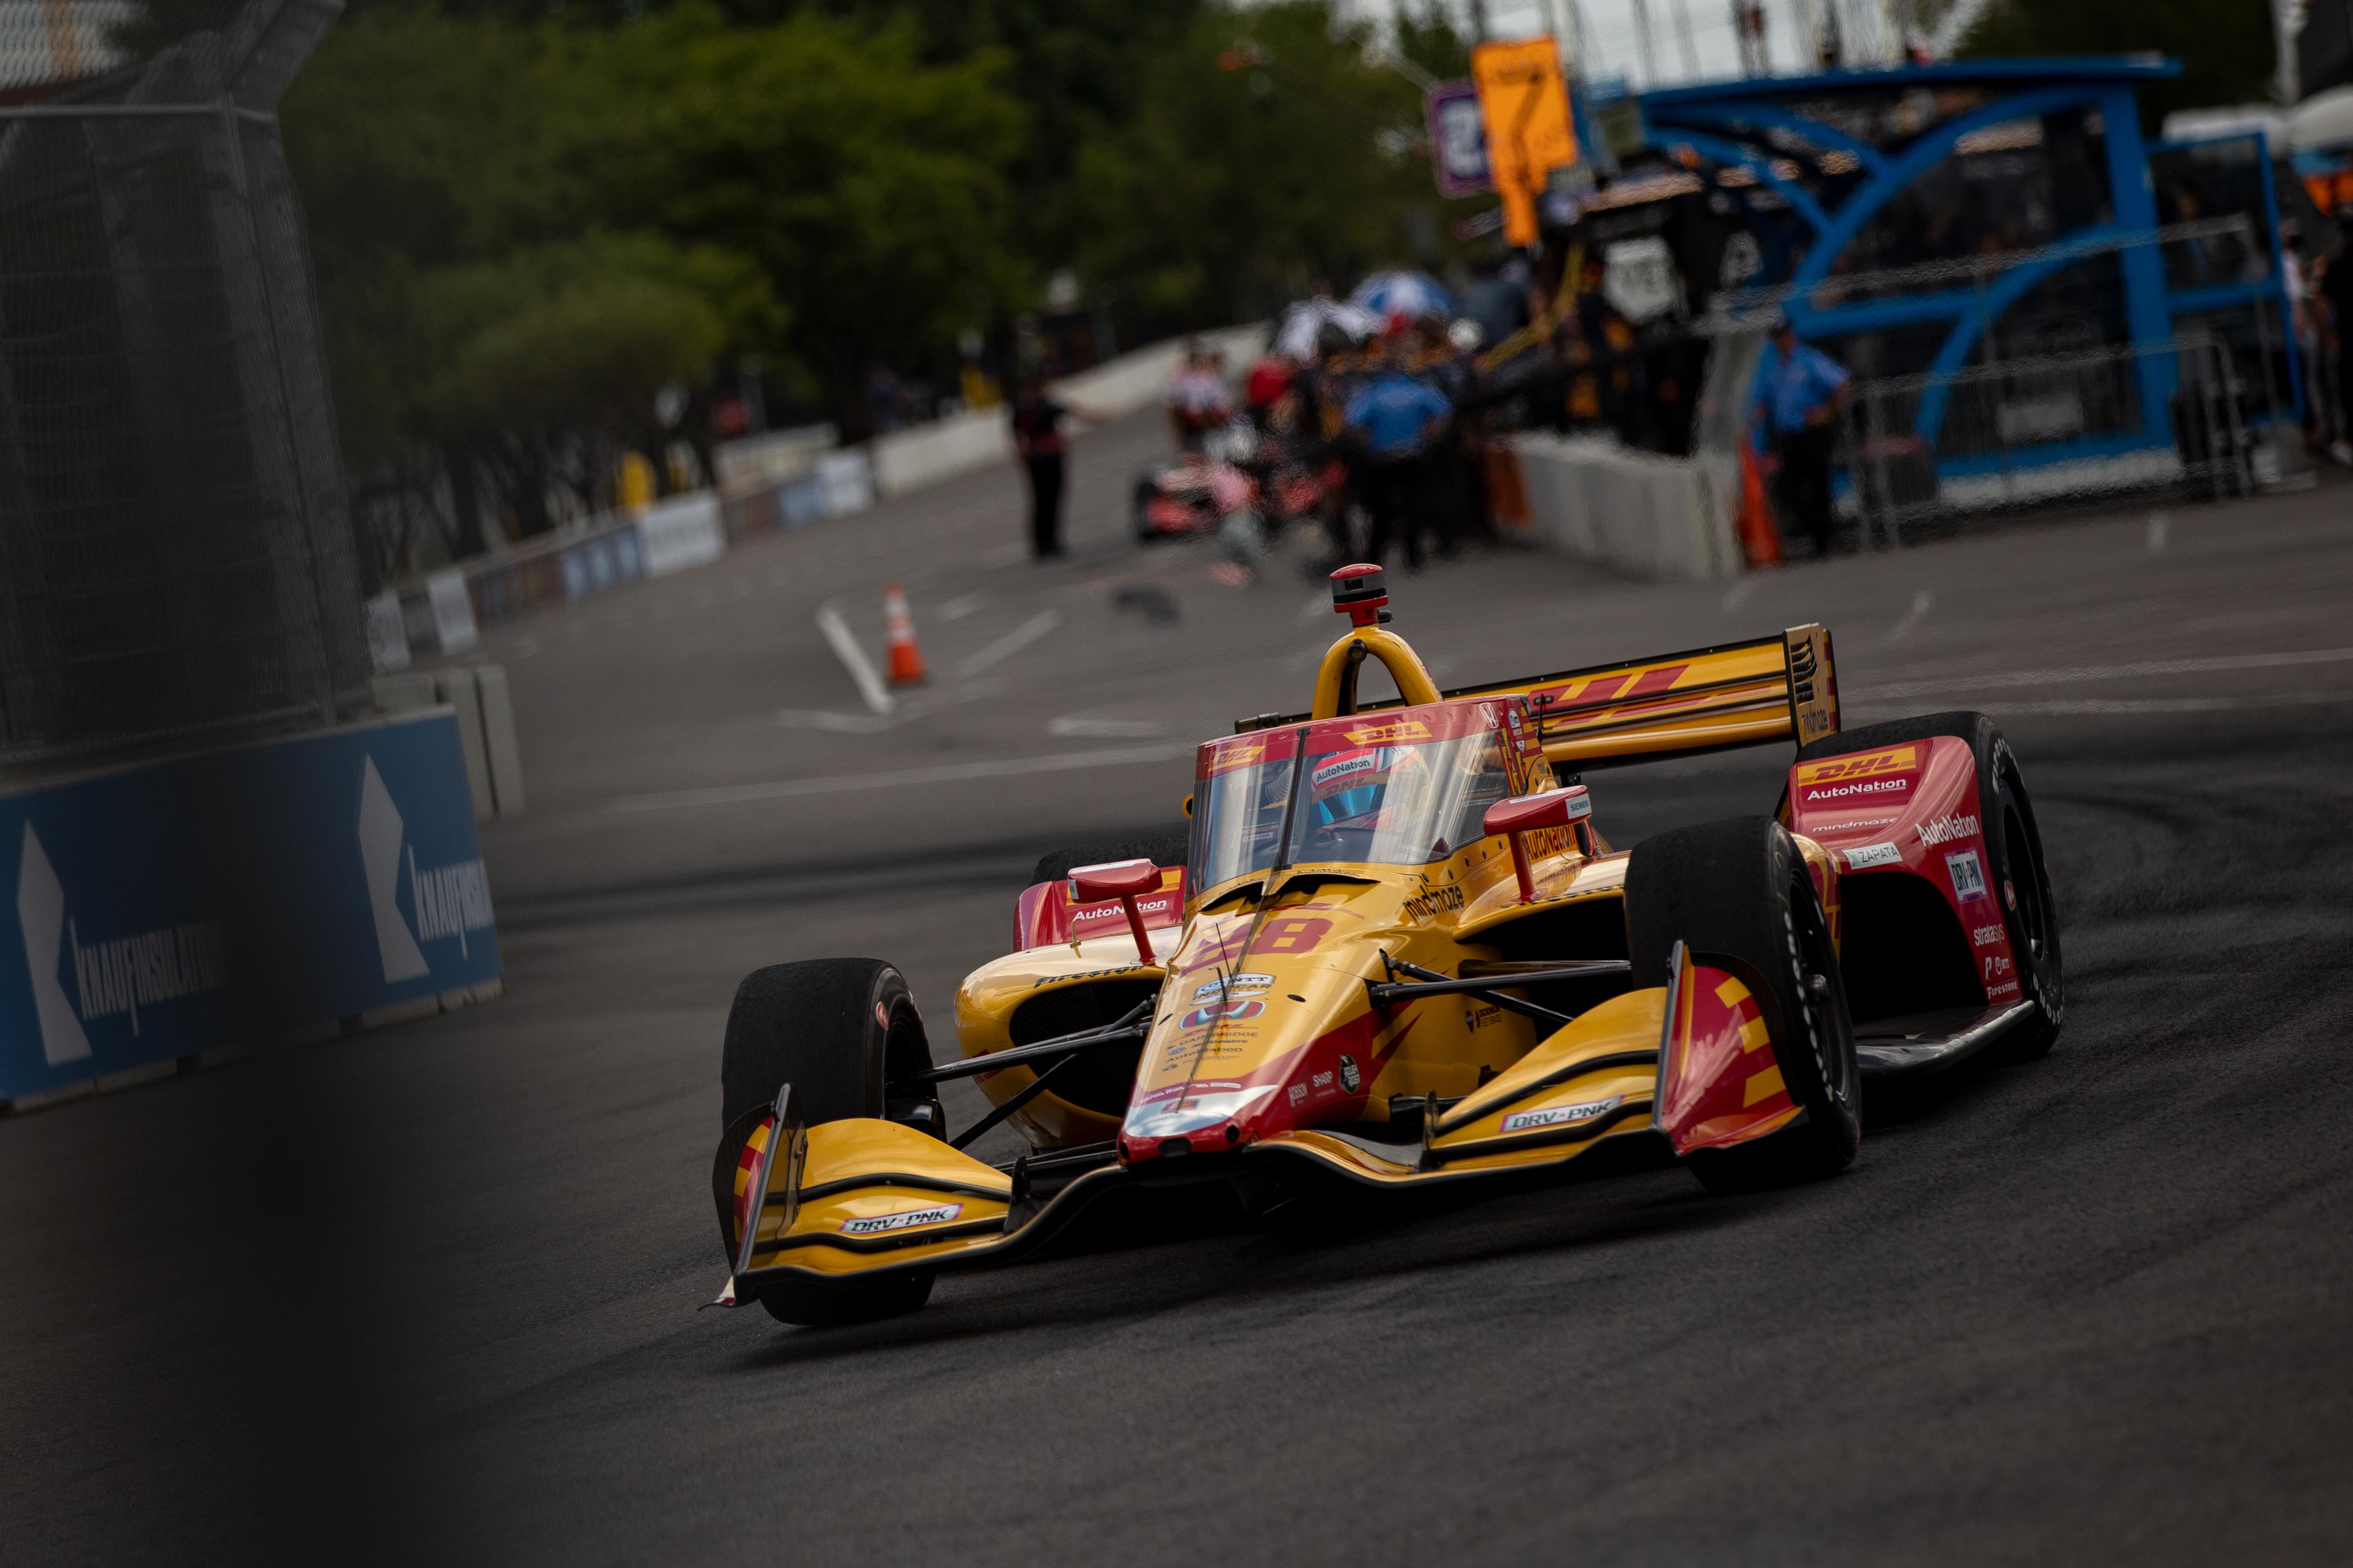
[477, 695]
[1636, 512]
[286, 890]
[926, 454]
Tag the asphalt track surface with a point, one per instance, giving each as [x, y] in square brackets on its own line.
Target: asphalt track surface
[427, 1294]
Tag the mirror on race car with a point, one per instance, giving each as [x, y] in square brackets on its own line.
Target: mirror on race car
[1525, 814]
[1125, 881]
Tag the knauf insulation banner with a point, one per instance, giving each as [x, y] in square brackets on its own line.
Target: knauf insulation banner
[237, 896]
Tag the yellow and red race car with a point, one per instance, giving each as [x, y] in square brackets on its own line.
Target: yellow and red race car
[1396, 951]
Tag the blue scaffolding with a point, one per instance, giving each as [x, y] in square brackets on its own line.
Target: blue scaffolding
[1839, 151]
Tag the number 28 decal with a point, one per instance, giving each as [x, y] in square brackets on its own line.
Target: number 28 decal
[1292, 933]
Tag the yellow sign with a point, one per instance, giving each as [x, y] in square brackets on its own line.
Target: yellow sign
[1525, 105]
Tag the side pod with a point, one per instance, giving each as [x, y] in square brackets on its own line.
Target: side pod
[1718, 1082]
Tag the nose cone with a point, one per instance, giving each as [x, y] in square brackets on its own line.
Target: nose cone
[1229, 1070]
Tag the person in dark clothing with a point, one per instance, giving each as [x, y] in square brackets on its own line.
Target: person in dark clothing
[1801, 390]
[1397, 418]
[1038, 437]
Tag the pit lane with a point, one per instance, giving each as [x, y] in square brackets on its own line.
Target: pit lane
[425, 1294]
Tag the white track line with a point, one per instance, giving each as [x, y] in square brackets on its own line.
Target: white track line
[2082, 673]
[952, 773]
[1921, 603]
[1038, 626]
[1736, 594]
[2157, 524]
[853, 658]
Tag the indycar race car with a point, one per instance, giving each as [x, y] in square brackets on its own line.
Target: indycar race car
[1396, 951]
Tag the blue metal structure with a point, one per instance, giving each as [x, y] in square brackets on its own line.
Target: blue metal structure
[1838, 148]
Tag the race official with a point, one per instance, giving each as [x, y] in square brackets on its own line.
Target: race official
[1801, 390]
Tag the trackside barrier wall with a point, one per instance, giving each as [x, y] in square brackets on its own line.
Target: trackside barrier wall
[282, 890]
[770, 484]
[1636, 512]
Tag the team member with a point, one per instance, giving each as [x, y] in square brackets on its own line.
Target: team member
[1395, 418]
[1801, 390]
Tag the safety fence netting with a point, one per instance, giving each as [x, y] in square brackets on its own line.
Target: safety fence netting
[176, 559]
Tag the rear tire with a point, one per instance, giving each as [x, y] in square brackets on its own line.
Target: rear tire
[2014, 861]
[1164, 850]
[1737, 895]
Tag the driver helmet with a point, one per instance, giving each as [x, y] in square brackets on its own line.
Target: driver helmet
[1346, 789]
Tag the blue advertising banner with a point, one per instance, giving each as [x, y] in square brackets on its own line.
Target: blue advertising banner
[235, 896]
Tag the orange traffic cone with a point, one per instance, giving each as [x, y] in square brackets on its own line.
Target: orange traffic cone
[906, 658]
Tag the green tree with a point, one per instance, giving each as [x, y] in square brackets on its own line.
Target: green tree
[2224, 46]
[1265, 153]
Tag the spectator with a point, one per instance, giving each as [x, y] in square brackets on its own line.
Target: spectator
[1395, 418]
[1197, 402]
[1801, 390]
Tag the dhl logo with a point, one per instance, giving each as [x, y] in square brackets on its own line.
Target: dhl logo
[1225, 758]
[1386, 735]
[1869, 764]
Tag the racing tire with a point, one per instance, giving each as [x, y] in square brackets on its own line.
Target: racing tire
[2014, 858]
[1738, 894]
[1164, 850]
[838, 1030]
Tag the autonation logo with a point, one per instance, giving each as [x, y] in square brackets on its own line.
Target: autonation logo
[114, 976]
[451, 900]
[1945, 830]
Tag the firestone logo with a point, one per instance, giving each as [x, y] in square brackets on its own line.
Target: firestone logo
[1945, 830]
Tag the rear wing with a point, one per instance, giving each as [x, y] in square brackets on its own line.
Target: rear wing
[1780, 687]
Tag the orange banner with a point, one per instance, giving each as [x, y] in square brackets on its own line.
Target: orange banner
[1524, 102]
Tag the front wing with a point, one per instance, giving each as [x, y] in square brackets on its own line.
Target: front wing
[853, 1200]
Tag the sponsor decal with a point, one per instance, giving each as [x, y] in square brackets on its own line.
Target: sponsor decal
[1995, 964]
[1383, 735]
[2006, 988]
[1984, 936]
[1945, 830]
[905, 1219]
[1292, 933]
[1298, 1094]
[882, 1015]
[1477, 1017]
[1083, 975]
[1240, 984]
[1968, 877]
[1831, 794]
[449, 900]
[1347, 767]
[1323, 1082]
[1228, 1011]
[1432, 900]
[1861, 766]
[112, 974]
[1233, 754]
[1872, 855]
[1561, 1115]
[1350, 1078]
[1115, 912]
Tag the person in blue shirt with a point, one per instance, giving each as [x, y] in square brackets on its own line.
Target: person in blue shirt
[1394, 418]
[1800, 391]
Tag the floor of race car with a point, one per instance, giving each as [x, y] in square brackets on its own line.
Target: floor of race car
[427, 1294]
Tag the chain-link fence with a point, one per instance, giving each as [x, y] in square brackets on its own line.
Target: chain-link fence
[175, 552]
[2051, 430]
